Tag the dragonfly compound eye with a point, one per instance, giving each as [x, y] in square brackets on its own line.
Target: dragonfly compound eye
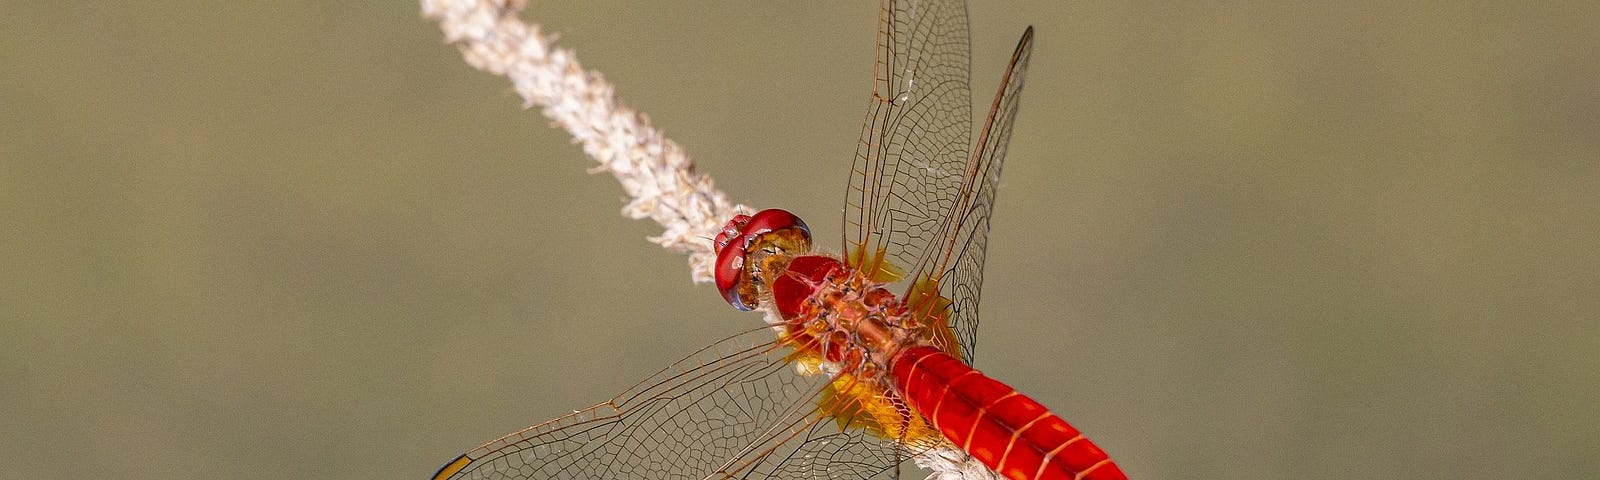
[751, 244]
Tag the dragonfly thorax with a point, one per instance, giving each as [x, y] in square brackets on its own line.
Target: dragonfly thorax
[841, 321]
[839, 313]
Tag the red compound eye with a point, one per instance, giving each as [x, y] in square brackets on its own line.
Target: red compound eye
[733, 249]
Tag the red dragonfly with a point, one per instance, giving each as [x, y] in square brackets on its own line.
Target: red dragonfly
[858, 380]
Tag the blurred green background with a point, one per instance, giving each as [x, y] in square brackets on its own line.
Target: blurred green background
[304, 239]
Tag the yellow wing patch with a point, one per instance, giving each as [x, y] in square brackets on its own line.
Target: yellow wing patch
[874, 265]
[451, 468]
[857, 404]
[932, 314]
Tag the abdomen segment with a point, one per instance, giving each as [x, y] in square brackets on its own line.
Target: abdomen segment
[1004, 429]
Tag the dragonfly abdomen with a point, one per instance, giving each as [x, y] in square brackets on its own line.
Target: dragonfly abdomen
[1007, 431]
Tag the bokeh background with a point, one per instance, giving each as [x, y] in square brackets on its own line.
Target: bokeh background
[1235, 240]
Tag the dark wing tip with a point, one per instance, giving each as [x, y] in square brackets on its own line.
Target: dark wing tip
[1026, 43]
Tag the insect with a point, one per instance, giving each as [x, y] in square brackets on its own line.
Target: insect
[856, 379]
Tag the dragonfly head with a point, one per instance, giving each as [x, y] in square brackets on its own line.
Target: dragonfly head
[751, 244]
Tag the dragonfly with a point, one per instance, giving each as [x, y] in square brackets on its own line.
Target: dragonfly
[846, 379]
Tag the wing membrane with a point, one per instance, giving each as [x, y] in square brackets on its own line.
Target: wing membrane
[963, 280]
[921, 193]
[736, 409]
[915, 141]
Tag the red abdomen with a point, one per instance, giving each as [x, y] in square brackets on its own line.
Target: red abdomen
[1004, 429]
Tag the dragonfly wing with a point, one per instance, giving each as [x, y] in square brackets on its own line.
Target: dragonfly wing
[962, 280]
[915, 140]
[735, 409]
[822, 451]
[920, 191]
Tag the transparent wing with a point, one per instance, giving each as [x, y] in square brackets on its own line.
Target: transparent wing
[735, 409]
[962, 280]
[916, 139]
[920, 193]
